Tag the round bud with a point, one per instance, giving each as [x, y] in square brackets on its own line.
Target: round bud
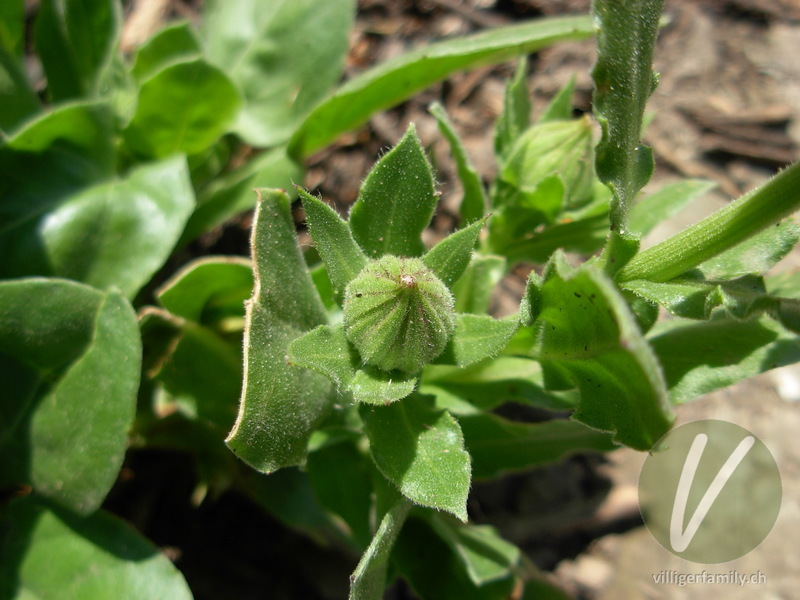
[398, 314]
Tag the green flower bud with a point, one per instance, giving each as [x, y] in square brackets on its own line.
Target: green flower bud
[398, 314]
[555, 148]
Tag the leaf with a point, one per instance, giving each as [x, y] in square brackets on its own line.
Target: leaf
[392, 82]
[342, 480]
[69, 362]
[283, 55]
[498, 446]
[434, 570]
[421, 451]
[485, 555]
[489, 384]
[449, 258]
[12, 27]
[696, 298]
[516, 115]
[698, 358]
[115, 234]
[369, 579]
[18, 101]
[664, 203]
[584, 237]
[75, 40]
[474, 202]
[281, 404]
[232, 193]
[396, 201]
[50, 553]
[560, 106]
[624, 79]
[327, 351]
[585, 332]
[477, 337]
[756, 255]
[721, 231]
[177, 42]
[334, 242]
[52, 157]
[199, 369]
[208, 289]
[184, 108]
[473, 291]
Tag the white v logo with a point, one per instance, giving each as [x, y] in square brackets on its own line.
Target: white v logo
[678, 538]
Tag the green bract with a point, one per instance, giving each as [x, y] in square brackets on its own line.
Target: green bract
[398, 314]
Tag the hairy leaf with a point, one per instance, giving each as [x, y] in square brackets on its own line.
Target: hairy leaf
[334, 242]
[281, 403]
[396, 201]
[421, 451]
[585, 332]
[69, 370]
[449, 258]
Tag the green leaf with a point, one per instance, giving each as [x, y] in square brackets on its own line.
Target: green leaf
[473, 290]
[474, 203]
[184, 108]
[666, 202]
[200, 370]
[449, 258]
[392, 82]
[421, 451]
[743, 218]
[756, 255]
[327, 351]
[485, 555]
[516, 115]
[489, 384]
[232, 193]
[342, 480]
[283, 55]
[584, 236]
[115, 234]
[786, 285]
[435, 570]
[624, 80]
[209, 290]
[369, 579]
[281, 404]
[18, 101]
[53, 156]
[76, 40]
[50, 553]
[334, 242]
[585, 332]
[696, 298]
[12, 27]
[477, 337]
[69, 362]
[396, 201]
[560, 106]
[177, 42]
[498, 446]
[698, 358]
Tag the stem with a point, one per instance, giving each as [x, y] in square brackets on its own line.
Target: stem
[776, 199]
[369, 579]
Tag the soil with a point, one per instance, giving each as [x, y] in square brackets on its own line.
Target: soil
[727, 109]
